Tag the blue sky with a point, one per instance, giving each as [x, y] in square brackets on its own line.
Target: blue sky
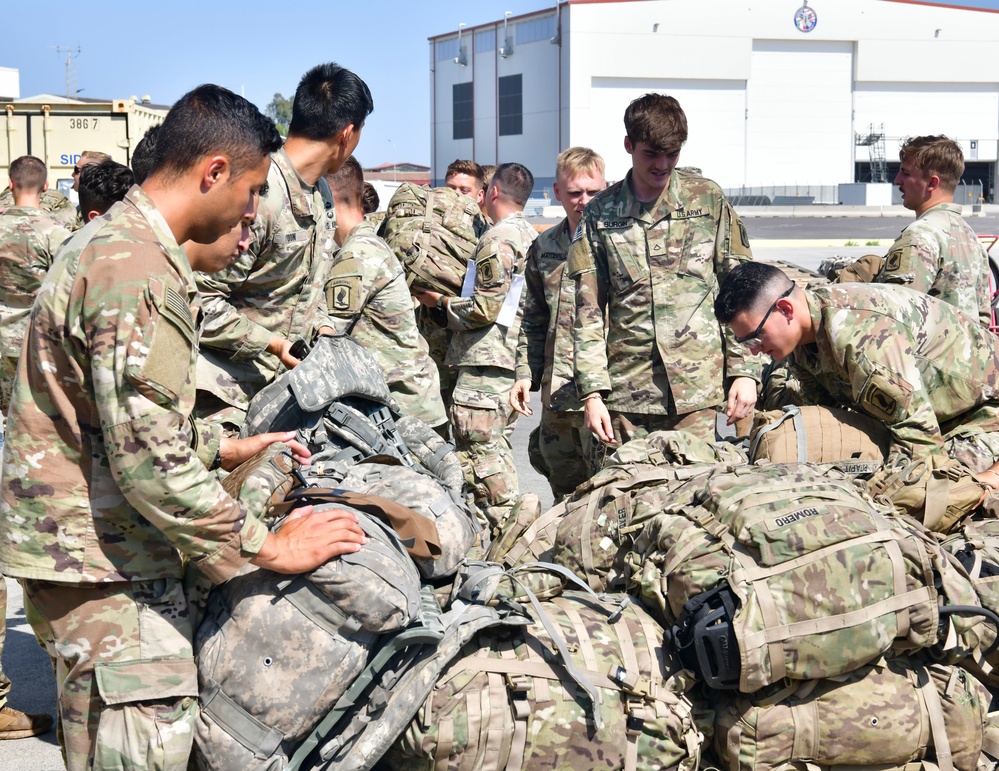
[257, 48]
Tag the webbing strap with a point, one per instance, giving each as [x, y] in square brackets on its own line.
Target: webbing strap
[805, 718]
[841, 621]
[756, 572]
[445, 743]
[768, 609]
[938, 725]
[990, 741]
[794, 413]
[260, 739]
[528, 542]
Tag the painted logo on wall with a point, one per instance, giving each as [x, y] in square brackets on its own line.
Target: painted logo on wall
[805, 19]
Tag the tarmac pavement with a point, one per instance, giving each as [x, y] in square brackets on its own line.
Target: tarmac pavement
[810, 236]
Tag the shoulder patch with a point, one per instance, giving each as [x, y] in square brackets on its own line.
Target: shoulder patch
[885, 397]
[894, 260]
[343, 294]
[488, 270]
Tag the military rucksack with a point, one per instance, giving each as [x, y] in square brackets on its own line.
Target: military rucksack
[433, 232]
[785, 571]
[889, 713]
[507, 700]
[853, 443]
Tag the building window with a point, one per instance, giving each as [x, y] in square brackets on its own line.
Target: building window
[447, 49]
[462, 110]
[511, 105]
[485, 40]
[536, 29]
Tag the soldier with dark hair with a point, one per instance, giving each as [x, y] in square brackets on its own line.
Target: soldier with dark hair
[486, 322]
[367, 298]
[101, 186]
[271, 296]
[144, 155]
[110, 475]
[647, 257]
[911, 361]
[369, 199]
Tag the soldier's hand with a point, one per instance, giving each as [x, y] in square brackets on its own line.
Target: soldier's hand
[597, 420]
[282, 349]
[520, 397]
[236, 451]
[741, 399]
[427, 297]
[309, 538]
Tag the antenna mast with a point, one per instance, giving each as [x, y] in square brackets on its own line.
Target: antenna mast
[71, 56]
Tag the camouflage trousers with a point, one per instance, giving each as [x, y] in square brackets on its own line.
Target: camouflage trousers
[8, 366]
[4, 680]
[438, 339]
[482, 421]
[125, 672]
[561, 450]
[633, 425]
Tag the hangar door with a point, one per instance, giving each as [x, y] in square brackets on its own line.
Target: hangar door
[798, 113]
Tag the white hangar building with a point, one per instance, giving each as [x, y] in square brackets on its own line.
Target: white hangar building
[776, 92]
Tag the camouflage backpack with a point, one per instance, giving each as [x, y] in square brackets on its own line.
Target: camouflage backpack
[433, 232]
[853, 443]
[508, 699]
[889, 713]
[785, 572]
[275, 652]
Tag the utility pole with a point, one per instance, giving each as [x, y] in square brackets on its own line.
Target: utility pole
[71, 56]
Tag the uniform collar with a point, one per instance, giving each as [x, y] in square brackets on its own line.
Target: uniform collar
[300, 192]
[668, 202]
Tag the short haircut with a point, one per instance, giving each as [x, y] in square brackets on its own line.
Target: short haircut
[487, 176]
[658, 120]
[213, 120]
[94, 156]
[514, 181]
[369, 198]
[144, 155]
[578, 160]
[102, 184]
[28, 174]
[471, 168]
[938, 155]
[748, 285]
[328, 99]
[347, 184]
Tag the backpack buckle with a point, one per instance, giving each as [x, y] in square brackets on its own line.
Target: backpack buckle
[704, 638]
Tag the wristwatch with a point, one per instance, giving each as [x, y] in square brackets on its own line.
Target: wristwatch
[217, 461]
[440, 302]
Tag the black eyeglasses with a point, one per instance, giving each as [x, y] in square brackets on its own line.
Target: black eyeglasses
[77, 169]
[753, 338]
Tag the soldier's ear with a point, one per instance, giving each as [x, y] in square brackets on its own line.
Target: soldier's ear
[213, 169]
[933, 183]
[628, 148]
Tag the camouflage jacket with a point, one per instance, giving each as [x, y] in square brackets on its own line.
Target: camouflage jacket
[939, 254]
[29, 239]
[480, 339]
[104, 474]
[368, 298]
[655, 273]
[54, 203]
[544, 349]
[275, 288]
[907, 359]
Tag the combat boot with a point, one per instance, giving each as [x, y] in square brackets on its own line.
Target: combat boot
[18, 725]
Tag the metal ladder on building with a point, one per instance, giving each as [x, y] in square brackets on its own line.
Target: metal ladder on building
[874, 140]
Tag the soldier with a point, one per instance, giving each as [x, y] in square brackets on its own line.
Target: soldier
[367, 297]
[101, 186]
[938, 253]
[143, 156]
[29, 239]
[87, 157]
[915, 363]
[468, 178]
[271, 297]
[648, 253]
[486, 323]
[107, 490]
[544, 350]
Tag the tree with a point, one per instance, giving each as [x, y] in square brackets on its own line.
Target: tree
[279, 111]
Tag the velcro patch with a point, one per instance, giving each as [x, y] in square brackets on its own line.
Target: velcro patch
[895, 261]
[885, 397]
[343, 294]
[488, 271]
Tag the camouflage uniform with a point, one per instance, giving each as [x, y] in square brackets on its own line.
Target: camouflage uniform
[368, 298]
[29, 239]
[662, 356]
[54, 203]
[485, 353]
[907, 359]
[274, 289]
[939, 254]
[544, 356]
[105, 484]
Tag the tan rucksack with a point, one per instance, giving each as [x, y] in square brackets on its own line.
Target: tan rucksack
[848, 441]
[433, 232]
[890, 713]
[508, 702]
